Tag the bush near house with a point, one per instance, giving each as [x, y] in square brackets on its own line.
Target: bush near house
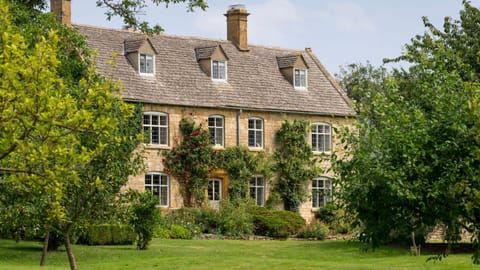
[276, 223]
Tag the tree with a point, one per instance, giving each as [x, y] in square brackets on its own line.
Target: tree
[294, 164]
[413, 153]
[192, 161]
[66, 136]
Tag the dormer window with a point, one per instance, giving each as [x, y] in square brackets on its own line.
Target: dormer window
[147, 64]
[294, 69]
[213, 62]
[300, 79]
[140, 53]
[219, 69]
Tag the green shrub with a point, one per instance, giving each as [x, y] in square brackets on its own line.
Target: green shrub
[233, 219]
[276, 223]
[196, 220]
[144, 216]
[179, 232]
[316, 231]
[336, 219]
[161, 232]
[108, 234]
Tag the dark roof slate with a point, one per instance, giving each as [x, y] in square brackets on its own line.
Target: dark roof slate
[287, 61]
[254, 79]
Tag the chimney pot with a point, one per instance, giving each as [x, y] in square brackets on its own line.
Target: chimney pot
[237, 26]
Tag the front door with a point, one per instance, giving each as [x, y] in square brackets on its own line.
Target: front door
[214, 192]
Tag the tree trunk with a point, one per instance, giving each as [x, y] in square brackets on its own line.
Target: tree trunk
[415, 250]
[68, 247]
[45, 246]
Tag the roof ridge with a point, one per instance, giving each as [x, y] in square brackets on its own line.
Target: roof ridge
[191, 38]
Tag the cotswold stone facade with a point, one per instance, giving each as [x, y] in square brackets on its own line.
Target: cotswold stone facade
[241, 92]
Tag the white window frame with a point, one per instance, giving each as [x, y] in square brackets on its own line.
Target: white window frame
[146, 56]
[215, 129]
[257, 189]
[254, 131]
[216, 74]
[162, 187]
[321, 191]
[162, 128]
[321, 139]
[302, 82]
[214, 195]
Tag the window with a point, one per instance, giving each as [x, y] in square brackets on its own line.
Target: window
[215, 126]
[214, 190]
[321, 137]
[257, 189]
[146, 63]
[155, 125]
[219, 70]
[255, 132]
[321, 191]
[300, 79]
[158, 184]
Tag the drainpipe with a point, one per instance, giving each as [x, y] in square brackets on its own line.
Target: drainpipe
[238, 126]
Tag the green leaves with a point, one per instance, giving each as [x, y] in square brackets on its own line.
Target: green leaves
[294, 163]
[414, 155]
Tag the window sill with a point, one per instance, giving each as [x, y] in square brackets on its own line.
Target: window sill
[318, 153]
[256, 149]
[157, 146]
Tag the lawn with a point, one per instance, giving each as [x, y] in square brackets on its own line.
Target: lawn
[227, 254]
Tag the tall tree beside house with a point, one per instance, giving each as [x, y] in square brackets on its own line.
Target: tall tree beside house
[294, 163]
[66, 136]
[414, 154]
[192, 161]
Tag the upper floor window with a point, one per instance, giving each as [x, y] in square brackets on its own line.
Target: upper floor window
[257, 190]
[321, 191]
[321, 137]
[146, 63]
[219, 70]
[158, 184]
[300, 78]
[255, 132]
[155, 125]
[215, 126]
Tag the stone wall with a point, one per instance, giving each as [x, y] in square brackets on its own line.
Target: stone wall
[272, 122]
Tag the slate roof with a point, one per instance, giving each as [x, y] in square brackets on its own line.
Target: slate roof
[286, 61]
[205, 52]
[254, 79]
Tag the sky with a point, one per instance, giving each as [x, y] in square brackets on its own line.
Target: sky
[339, 32]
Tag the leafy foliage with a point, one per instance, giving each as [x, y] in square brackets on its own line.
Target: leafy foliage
[191, 162]
[241, 164]
[414, 153]
[144, 216]
[276, 223]
[294, 163]
[129, 11]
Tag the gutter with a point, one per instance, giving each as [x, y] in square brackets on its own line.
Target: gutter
[240, 111]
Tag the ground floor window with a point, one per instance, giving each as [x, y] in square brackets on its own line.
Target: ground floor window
[158, 184]
[257, 189]
[321, 191]
[214, 190]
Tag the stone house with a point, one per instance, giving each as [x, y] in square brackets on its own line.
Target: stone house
[242, 91]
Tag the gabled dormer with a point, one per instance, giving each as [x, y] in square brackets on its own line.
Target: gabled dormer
[295, 70]
[213, 61]
[141, 54]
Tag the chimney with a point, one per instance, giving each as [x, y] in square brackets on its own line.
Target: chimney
[237, 26]
[62, 10]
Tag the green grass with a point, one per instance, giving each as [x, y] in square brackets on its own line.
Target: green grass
[227, 254]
